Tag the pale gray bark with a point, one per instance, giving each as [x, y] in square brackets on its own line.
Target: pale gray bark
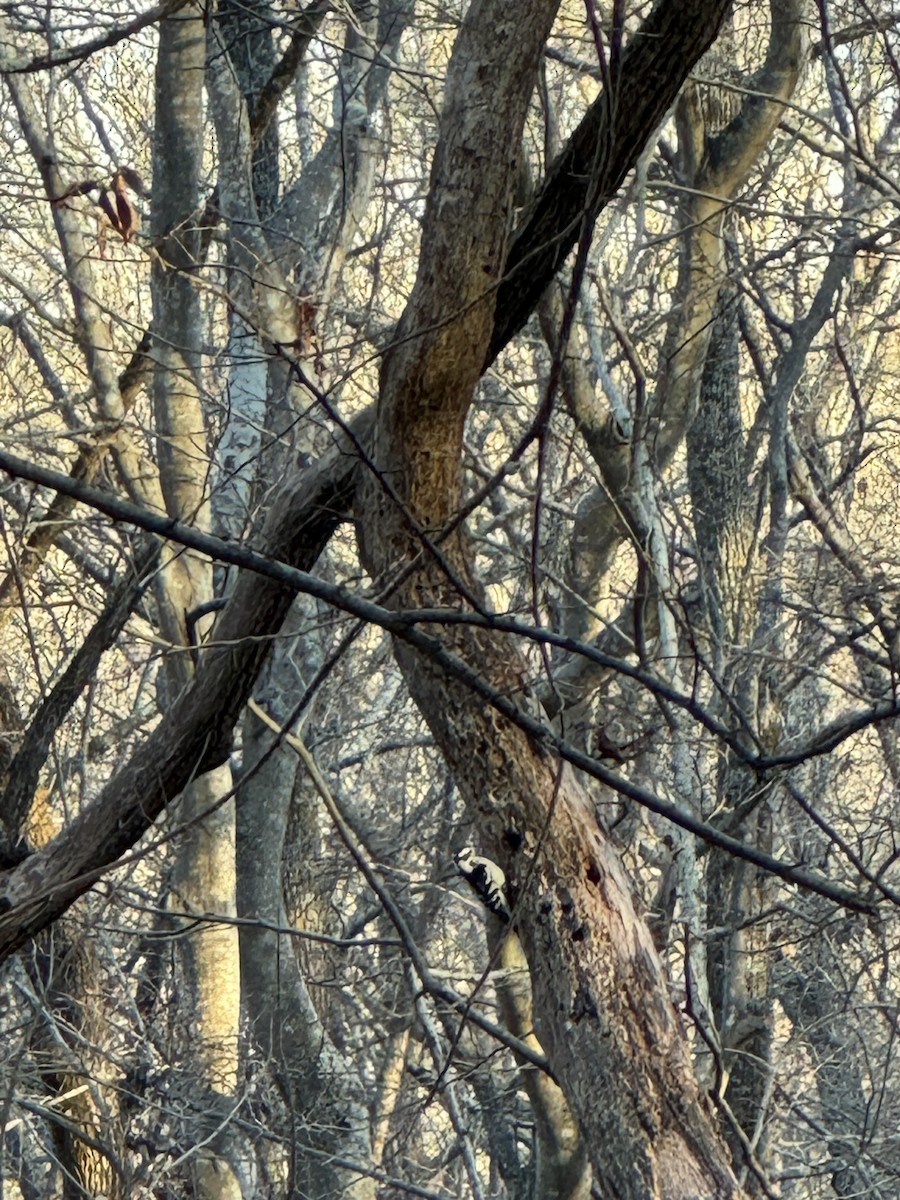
[323, 1107]
[561, 1170]
[311, 227]
[319, 214]
[204, 877]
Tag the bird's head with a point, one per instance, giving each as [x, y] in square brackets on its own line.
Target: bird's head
[463, 858]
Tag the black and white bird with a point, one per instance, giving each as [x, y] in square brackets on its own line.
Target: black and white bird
[486, 879]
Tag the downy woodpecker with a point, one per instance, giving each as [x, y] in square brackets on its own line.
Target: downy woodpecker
[486, 879]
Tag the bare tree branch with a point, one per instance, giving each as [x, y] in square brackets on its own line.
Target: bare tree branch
[19, 65]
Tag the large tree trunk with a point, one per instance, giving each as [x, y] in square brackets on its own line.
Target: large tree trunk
[601, 1004]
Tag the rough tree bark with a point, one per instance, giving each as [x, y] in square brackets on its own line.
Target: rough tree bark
[732, 580]
[561, 1170]
[601, 1006]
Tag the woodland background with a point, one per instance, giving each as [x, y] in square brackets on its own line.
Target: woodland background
[429, 424]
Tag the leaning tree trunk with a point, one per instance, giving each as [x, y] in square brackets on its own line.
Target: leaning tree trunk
[601, 1004]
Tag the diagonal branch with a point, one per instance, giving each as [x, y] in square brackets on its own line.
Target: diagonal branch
[305, 29]
[85, 469]
[26, 766]
[600, 153]
[42, 62]
[195, 733]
